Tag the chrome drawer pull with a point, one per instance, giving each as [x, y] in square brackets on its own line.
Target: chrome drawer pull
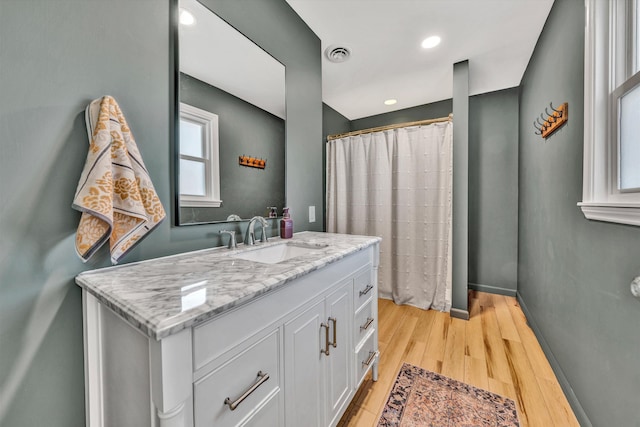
[366, 290]
[335, 334]
[372, 355]
[366, 325]
[327, 343]
[262, 377]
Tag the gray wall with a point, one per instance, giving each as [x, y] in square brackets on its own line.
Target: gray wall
[574, 274]
[493, 191]
[460, 199]
[244, 129]
[422, 112]
[333, 122]
[56, 57]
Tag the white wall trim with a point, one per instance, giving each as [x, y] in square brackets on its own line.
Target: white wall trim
[597, 74]
[600, 198]
[187, 203]
[93, 388]
[621, 214]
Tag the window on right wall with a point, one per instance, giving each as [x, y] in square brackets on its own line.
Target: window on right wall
[611, 182]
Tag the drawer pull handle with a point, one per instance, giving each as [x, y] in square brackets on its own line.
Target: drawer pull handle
[366, 290]
[262, 377]
[327, 343]
[335, 334]
[372, 355]
[366, 325]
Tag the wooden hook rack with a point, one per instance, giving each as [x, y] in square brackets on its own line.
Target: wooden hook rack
[551, 120]
[252, 162]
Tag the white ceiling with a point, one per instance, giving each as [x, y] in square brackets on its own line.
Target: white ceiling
[496, 36]
[214, 52]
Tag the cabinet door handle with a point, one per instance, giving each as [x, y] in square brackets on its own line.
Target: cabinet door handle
[366, 290]
[335, 333]
[366, 325]
[327, 343]
[372, 355]
[262, 377]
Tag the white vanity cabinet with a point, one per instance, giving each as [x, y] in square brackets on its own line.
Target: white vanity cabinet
[365, 332]
[317, 360]
[290, 356]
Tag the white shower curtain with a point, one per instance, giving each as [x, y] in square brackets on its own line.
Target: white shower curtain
[396, 184]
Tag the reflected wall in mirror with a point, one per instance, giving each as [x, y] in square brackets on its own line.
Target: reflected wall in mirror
[232, 104]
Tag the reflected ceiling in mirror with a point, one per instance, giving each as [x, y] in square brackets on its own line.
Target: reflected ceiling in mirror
[224, 75]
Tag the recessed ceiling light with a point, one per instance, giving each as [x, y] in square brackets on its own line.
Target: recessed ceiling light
[430, 42]
[186, 18]
[390, 101]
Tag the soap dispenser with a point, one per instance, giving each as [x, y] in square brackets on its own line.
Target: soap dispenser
[286, 225]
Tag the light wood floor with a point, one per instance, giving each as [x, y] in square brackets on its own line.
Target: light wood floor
[494, 350]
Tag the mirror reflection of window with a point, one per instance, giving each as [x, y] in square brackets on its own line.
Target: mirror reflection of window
[192, 160]
[199, 158]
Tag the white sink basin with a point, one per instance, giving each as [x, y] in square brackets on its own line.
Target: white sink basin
[277, 253]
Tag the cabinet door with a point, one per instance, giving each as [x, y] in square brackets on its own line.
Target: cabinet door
[304, 337]
[338, 375]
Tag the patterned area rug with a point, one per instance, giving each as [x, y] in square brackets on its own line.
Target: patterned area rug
[423, 398]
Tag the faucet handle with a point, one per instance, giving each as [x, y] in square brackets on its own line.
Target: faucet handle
[232, 238]
[265, 225]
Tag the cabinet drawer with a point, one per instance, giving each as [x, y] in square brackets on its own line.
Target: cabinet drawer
[217, 336]
[363, 289]
[236, 378]
[366, 356]
[268, 415]
[366, 321]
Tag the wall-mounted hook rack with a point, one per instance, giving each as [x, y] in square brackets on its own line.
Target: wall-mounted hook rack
[252, 162]
[553, 120]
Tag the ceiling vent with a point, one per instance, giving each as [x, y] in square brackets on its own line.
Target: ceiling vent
[337, 53]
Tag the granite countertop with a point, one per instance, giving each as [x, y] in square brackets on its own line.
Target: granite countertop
[165, 295]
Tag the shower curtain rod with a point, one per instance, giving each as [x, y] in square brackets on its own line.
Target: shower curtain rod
[388, 127]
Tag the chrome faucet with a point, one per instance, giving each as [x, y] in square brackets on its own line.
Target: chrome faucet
[250, 236]
[232, 238]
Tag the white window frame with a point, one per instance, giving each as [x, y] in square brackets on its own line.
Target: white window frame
[609, 60]
[211, 157]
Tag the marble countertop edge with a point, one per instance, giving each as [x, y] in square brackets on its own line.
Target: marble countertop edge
[122, 298]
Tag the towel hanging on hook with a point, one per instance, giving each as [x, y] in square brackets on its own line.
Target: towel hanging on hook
[115, 194]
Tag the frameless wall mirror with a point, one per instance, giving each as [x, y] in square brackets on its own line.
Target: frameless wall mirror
[231, 119]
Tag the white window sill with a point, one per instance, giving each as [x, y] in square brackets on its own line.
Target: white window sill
[200, 203]
[619, 213]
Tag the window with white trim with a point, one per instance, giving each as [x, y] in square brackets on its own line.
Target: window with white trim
[199, 158]
[611, 182]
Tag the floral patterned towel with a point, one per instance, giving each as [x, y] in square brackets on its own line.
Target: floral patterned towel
[114, 194]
